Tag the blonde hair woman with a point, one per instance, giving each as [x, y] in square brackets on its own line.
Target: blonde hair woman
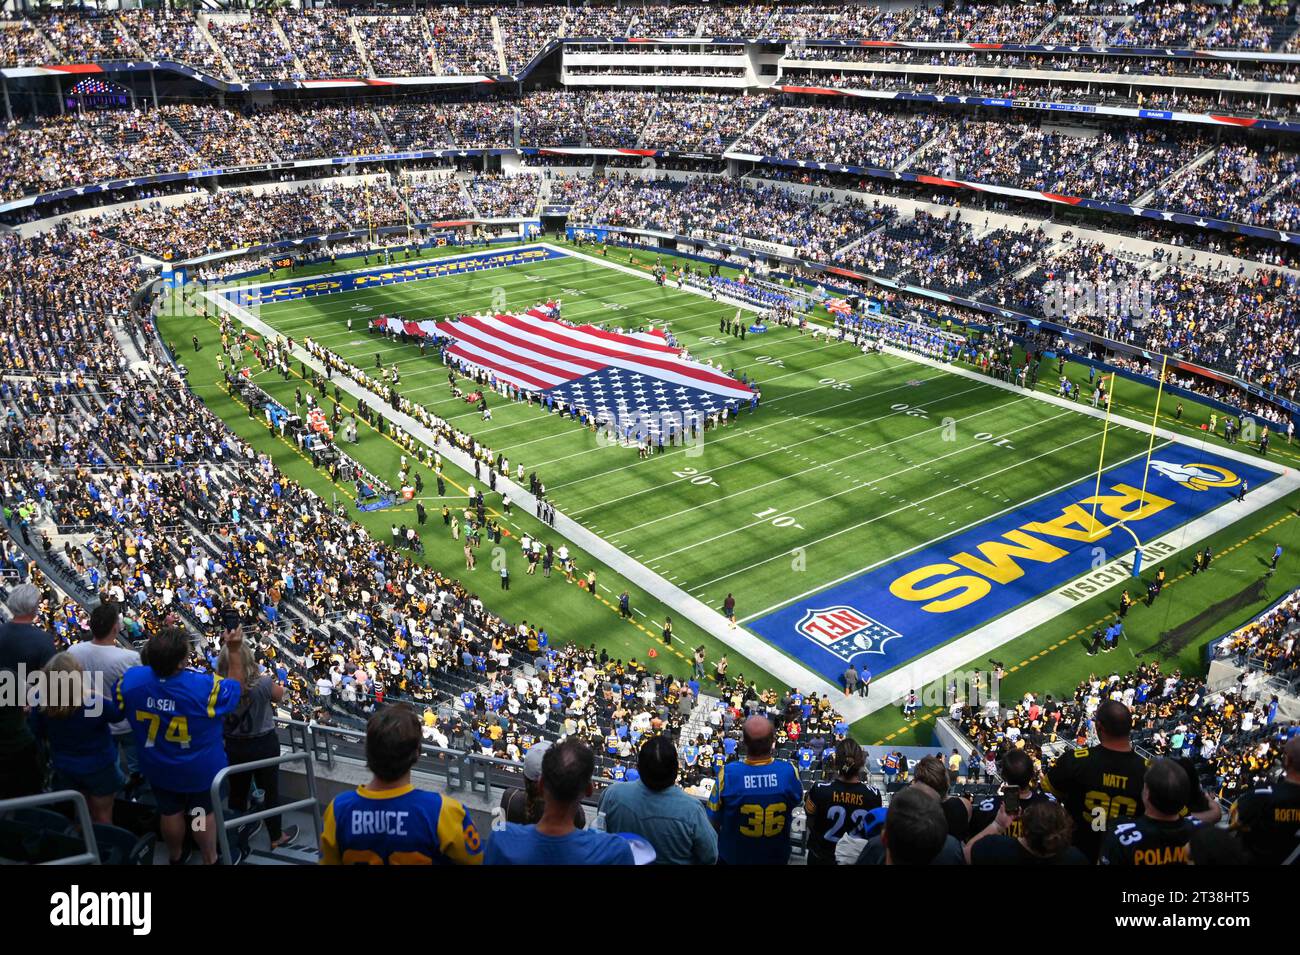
[250, 736]
[74, 719]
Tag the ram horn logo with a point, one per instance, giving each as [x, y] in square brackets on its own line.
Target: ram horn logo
[845, 631]
[1198, 477]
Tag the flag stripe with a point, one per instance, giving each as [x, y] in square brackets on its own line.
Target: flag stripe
[471, 335]
[676, 370]
[490, 329]
[504, 368]
[613, 339]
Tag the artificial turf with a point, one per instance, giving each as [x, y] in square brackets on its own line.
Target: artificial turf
[846, 463]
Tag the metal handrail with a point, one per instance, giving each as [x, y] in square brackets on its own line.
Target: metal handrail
[91, 855]
[307, 802]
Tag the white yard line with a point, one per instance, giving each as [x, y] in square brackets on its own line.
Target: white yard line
[892, 686]
[979, 643]
[748, 432]
[782, 667]
[816, 467]
[785, 448]
[914, 548]
[866, 484]
[1115, 418]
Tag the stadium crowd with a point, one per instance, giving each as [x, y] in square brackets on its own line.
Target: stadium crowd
[459, 40]
[1115, 164]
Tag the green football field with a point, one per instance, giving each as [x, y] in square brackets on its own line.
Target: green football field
[845, 464]
[850, 461]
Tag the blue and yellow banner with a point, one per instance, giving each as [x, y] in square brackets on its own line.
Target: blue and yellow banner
[907, 607]
[389, 275]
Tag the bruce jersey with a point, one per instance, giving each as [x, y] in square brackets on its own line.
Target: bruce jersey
[404, 826]
[751, 806]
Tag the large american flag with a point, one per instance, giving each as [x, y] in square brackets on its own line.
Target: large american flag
[634, 378]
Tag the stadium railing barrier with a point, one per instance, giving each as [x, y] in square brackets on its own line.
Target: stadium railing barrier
[9, 807]
[308, 802]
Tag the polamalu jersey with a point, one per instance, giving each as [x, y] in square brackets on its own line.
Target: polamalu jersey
[986, 810]
[1269, 822]
[1097, 783]
[837, 809]
[1146, 841]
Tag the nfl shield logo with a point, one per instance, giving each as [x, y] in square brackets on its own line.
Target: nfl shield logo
[845, 631]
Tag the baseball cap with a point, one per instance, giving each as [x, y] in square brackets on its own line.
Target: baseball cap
[533, 760]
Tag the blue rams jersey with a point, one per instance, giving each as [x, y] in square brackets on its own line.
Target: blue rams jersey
[403, 826]
[750, 807]
[177, 724]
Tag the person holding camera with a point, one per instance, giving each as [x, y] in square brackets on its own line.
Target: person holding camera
[178, 715]
[1043, 835]
[1019, 791]
[250, 736]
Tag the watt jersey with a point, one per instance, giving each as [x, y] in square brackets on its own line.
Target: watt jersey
[1269, 822]
[1097, 785]
[751, 806]
[177, 724]
[1146, 841]
[404, 826]
[837, 809]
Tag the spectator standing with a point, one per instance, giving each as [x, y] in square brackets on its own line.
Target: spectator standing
[1045, 838]
[915, 832]
[250, 736]
[24, 649]
[105, 660]
[1160, 835]
[525, 806]
[567, 771]
[659, 811]
[840, 807]
[72, 718]
[752, 801]
[390, 822]
[1100, 785]
[177, 717]
[1268, 817]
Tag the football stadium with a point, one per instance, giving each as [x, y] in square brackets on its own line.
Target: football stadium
[630, 433]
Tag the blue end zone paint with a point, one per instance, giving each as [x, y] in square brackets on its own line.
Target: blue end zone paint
[865, 622]
[388, 275]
